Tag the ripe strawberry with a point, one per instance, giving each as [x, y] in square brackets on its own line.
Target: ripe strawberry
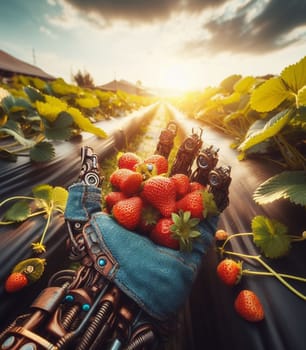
[128, 160]
[193, 186]
[159, 191]
[149, 217]
[159, 161]
[229, 271]
[162, 234]
[15, 282]
[248, 306]
[112, 198]
[127, 181]
[127, 212]
[193, 202]
[181, 182]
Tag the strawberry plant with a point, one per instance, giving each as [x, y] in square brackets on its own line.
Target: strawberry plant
[34, 113]
[273, 240]
[46, 201]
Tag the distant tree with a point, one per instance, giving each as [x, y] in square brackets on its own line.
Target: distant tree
[84, 79]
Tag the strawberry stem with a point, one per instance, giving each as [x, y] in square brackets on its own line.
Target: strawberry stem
[267, 267]
[262, 273]
[49, 213]
[14, 198]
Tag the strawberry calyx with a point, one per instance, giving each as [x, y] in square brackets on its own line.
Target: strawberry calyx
[147, 170]
[184, 229]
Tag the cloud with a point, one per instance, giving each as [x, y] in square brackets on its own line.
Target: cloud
[259, 26]
[139, 11]
[47, 31]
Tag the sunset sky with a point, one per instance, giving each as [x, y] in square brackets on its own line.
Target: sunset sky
[187, 44]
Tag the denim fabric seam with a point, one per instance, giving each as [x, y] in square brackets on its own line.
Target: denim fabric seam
[112, 273]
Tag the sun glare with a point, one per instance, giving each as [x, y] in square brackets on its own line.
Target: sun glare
[176, 77]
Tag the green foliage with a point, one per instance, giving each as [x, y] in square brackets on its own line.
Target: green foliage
[18, 212]
[262, 130]
[287, 185]
[34, 113]
[269, 95]
[185, 229]
[42, 152]
[271, 237]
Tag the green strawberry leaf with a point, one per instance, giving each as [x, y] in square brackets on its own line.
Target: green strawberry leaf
[18, 212]
[59, 198]
[261, 130]
[89, 101]
[51, 108]
[270, 236]
[84, 123]
[269, 95]
[60, 129]
[287, 185]
[43, 191]
[42, 152]
[33, 94]
[295, 75]
[302, 96]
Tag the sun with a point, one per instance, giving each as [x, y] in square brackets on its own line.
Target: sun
[177, 77]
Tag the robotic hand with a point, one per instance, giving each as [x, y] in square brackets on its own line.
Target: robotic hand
[158, 279]
[125, 290]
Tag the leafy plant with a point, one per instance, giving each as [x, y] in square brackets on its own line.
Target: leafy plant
[282, 128]
[272, 238]
[46, 200]
[34, 113]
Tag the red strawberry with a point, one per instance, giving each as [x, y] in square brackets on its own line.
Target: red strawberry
[229, 271]
[181, 182]
[15, 282]
[193, 202]
[159, 191]
[162, 234]
[112, 198]
[193, 186]
[159, 161]
[128, 212]
[128, 160]
[149, 217]
[248, 306]
[127, 181]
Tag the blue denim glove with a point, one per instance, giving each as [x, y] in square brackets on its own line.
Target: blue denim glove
[158, 279]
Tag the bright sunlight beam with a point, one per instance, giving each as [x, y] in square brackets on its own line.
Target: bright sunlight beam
[176, 77]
